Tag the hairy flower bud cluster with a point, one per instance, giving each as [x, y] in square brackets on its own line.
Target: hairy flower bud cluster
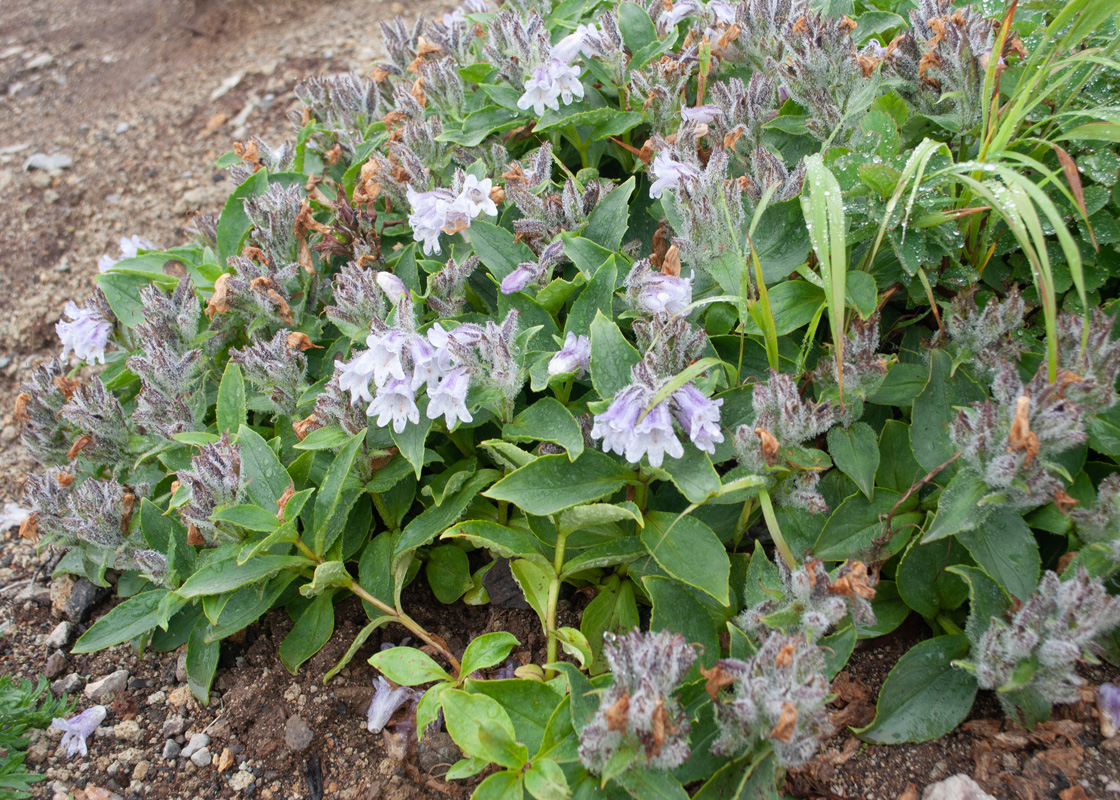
[255, 154]
[864, 368]
[447, 288]
[38, 406]
[97, 414]
[276, 368]
[653, 292]
[661, 85]
[810, 602]
[1011, 439]
[1054, 629]
[1101, 523]
[170, 319]
[1097, 364]
[942, 60]
[357, 300]
[344, 105]
[539, 273]
[639, 710]
[257, 294]
[273, 213]
[984, 336]
[778, 697]
[214, 480]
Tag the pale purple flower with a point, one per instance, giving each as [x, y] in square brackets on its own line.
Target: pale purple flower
[662, 293]
[566, 78]
[724, 12]
[386, 701]
[680, 10]
[574, 44]
[698, 415]
[668, 173]
[396, 403]
[451, 19]
[393, 286]
[384, 356]
[86, 334]
[354, 377]
[541, 92]
[574, 356]
[430, 212]
[476, 195]
[548, 85]
[12, 516]
[78, 728]
[449, 398]
[1108, 705]
[704, 114]
[622, 433]
[426, 366]
[519, 278]
[130, 248]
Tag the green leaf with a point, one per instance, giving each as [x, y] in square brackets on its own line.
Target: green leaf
[497, 248]
[903, 383]
[689, 551]
[934, 411]
[597, 294]
[411, 440]
[924, 696]
[856, 523]
[482, 728]
[529, 703]
[614, 609]
[202, 663]
[793, 304]
[1007, 551]
[607, 554]
[312, 630]
[434, 520]
[959, 508]
[635, 25]
[923, 582]
[545, 780]
[676, 609]
[898, 470]
[651, 784]
[575, 644]
[250, 517]
[448, 572]
[505, 785]
[855, 452]
[226, 575]
[408, 666]
[533, 580]
[985, 601]
[607, 223]
[487, 650]
[328, 575]
[331, 437]
[553, 483]
[506, 542]
[264, 476]
[742, 779]
[693, 475]
[547, 420]
[594, 514]
[231, 410]
[134, 617]
[611, 357]
[589, 258]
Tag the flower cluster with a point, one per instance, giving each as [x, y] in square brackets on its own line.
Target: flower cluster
[1054, 629]
[1101, 523]
[442, 210]
[276, 368]
[633, 429]
[778, 696]
[984, 336]
[864, 368]
[639, 710]
[38, 408]
[812, 603]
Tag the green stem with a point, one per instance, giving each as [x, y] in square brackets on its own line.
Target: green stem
[383, 510]
[775, 531]
[743, 521]
[948, 624]
[553, 599]
[303, 548]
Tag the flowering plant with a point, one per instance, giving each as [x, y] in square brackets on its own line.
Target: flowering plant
[542, 297]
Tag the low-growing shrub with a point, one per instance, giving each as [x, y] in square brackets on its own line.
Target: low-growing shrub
[780, 321]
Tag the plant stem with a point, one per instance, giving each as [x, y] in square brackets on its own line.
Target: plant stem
[743, 521]
[775, 531]
[553, 599]
[408, 622]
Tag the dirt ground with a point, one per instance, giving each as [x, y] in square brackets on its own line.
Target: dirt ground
[143, 96]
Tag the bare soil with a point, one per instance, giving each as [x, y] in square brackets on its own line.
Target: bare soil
[142, 95]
